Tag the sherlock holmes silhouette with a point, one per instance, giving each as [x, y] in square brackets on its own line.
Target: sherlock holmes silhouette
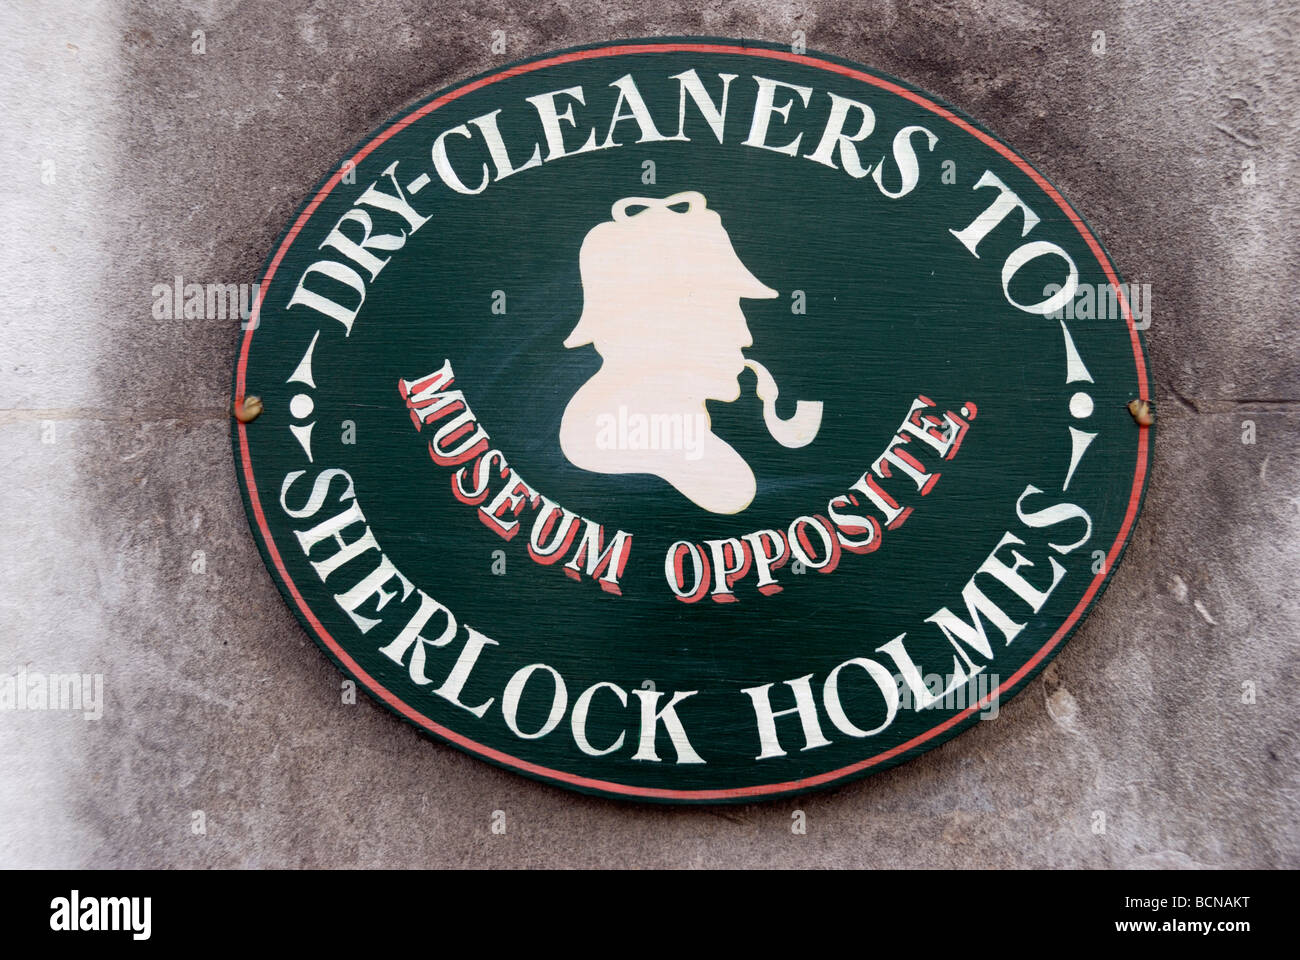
[662, 286]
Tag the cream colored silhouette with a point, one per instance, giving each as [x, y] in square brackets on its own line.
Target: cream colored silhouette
[661, 286]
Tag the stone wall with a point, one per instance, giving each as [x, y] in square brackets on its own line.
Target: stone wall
[130, 158]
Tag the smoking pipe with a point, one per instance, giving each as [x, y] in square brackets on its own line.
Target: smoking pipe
[801, 428]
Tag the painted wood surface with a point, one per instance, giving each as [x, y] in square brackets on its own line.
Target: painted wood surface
[691, 420]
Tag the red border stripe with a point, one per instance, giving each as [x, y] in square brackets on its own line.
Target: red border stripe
[607, 786]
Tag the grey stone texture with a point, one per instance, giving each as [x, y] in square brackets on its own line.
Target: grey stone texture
[129, 159]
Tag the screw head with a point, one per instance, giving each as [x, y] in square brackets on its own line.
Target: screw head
[249, 410]
[1141, 411]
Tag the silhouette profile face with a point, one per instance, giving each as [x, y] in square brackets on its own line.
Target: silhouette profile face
[689, 346]
[661, 286]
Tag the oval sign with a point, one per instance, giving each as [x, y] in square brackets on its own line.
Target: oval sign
[691, 420]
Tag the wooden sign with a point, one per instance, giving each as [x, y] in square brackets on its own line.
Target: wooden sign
[690, 420]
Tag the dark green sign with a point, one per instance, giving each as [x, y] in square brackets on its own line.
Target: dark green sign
[690, 420]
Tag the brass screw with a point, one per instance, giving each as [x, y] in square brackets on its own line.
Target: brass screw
[1141, 411]
[249, 410]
